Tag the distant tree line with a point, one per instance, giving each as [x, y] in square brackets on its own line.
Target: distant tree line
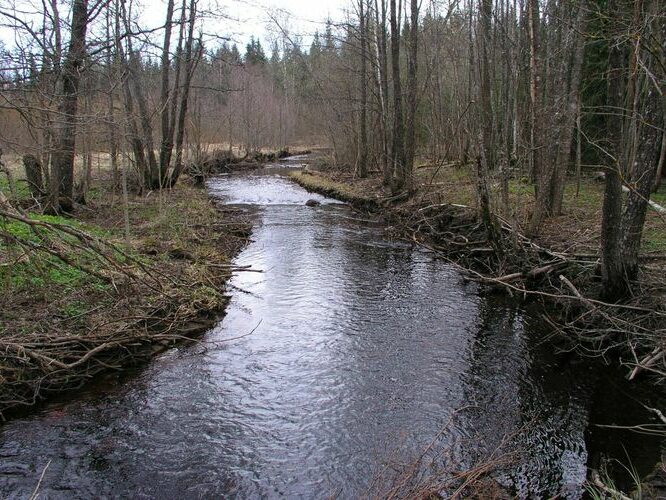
[537, 89]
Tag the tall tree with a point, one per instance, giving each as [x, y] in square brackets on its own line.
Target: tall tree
[363, 128]
[166, 145]
[612, 271]
[192, 56]
[62, 159]
[382, 85]
[412, 95]
[651, 92]
[398, 159]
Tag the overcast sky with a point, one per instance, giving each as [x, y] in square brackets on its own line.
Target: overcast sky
[239, 19]
[300, 16]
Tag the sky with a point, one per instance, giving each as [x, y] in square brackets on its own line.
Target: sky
[237, 20]
[302, 17]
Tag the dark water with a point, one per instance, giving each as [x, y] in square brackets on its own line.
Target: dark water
[362, 351]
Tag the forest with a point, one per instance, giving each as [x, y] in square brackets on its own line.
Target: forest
[147, 170]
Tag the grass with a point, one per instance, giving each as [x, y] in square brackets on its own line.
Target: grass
[340, 190]
[22, 191]
[38, 272]
[580, 223]
[177, 231]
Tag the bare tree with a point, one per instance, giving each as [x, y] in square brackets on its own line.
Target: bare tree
[166, 145]
[412, 91]
[62, 159]
[398, 159]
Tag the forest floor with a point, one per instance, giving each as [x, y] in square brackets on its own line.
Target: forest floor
[78, 297]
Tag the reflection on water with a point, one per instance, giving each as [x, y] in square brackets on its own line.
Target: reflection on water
[358, 345]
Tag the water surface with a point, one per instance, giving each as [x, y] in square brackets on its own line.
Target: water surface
[360, 351]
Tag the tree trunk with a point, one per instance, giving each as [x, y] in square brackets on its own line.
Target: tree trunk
[363, 140]
[133, 68]
[536, 165]
[191, 60]
[62, 159]
[398, 141]
[612, 271]
[569, 113]
[175, 93]
[485, 27]
[412, 89]
[110, 115]
[132, 130]
[33, 174]
[166, 145]
[382, 68]
[647, 157]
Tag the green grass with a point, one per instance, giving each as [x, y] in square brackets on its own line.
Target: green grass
[22, 191]
[73, 309]
[654, 240]
[660, 196]
[22, 270]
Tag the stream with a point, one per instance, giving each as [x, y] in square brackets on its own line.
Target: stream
[357, 354]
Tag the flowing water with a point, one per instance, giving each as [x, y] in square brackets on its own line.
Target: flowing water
[357, 352]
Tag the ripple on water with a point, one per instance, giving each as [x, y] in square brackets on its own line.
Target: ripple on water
[363, 350]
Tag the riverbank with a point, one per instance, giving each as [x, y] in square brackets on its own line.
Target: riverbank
[557, 269]
[80, 296]
[558, 266]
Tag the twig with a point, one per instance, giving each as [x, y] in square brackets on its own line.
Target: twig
[35, 493]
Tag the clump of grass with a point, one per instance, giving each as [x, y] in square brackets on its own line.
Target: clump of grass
[317, 182]
[654, 239]
[338, 190]
[602, 487]
[74, 309]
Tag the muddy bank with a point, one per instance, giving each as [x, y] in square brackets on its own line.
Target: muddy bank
[84, 299]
